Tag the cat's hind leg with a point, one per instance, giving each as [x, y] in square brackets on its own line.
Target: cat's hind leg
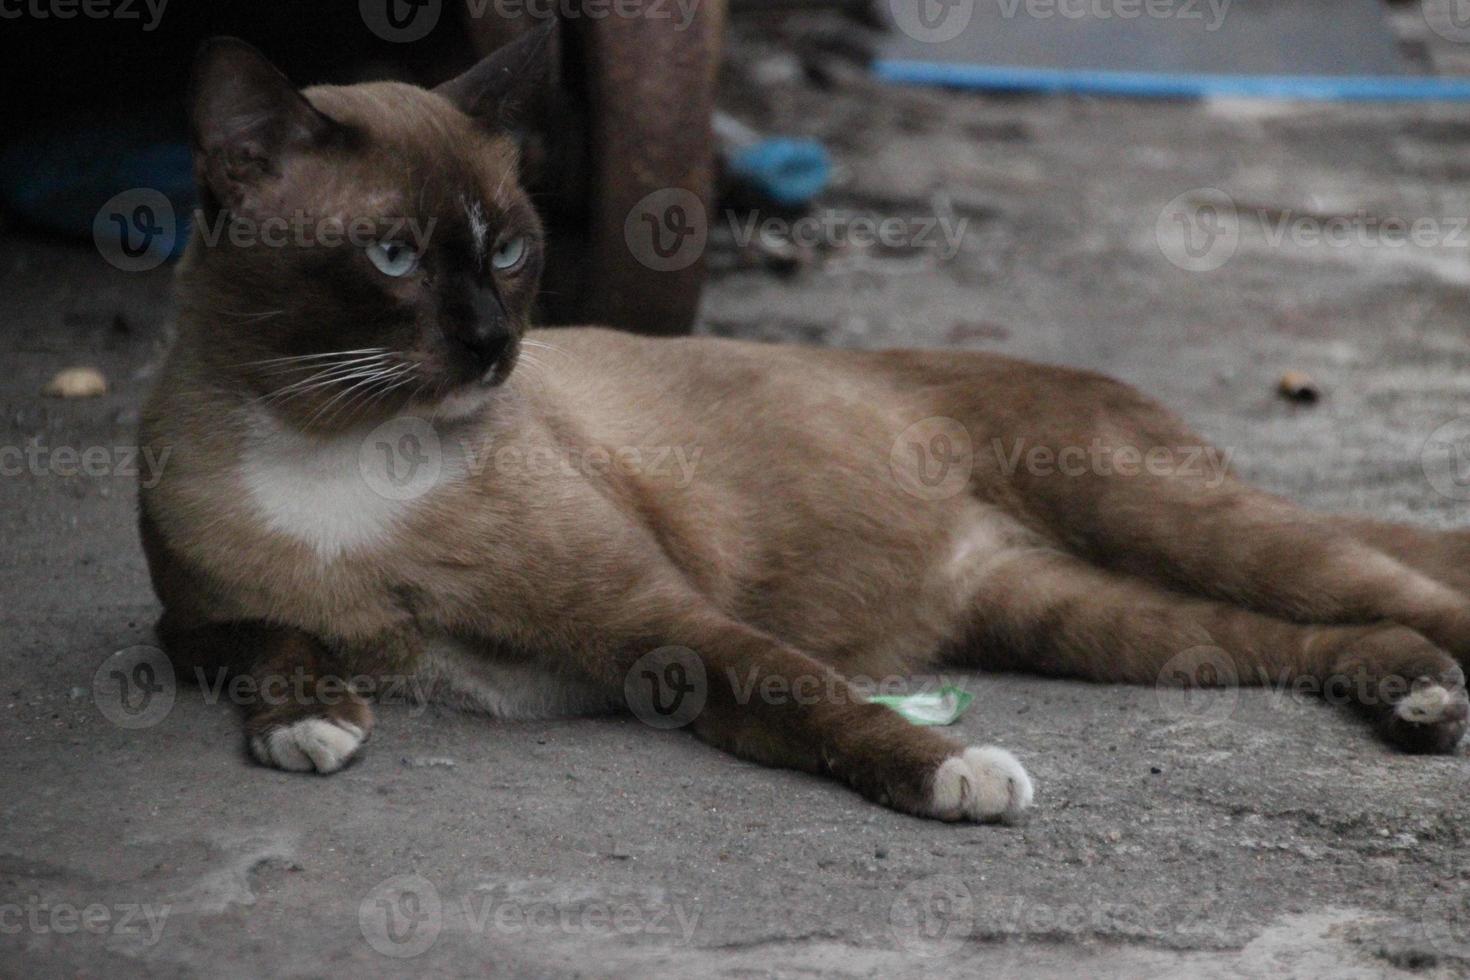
[1442, 555]
[1220, 538]
[1039, 609]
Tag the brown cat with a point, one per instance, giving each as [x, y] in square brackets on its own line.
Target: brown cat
[364, 486]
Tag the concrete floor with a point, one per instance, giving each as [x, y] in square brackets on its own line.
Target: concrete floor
[1246, 833]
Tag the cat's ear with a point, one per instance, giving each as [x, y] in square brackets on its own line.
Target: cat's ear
[513, 85]
[245, 116]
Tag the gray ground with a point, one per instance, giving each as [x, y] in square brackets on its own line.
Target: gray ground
[1247, 833]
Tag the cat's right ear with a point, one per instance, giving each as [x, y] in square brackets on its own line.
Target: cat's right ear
[510, 89]
[245, 117]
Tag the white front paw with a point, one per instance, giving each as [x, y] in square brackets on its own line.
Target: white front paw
[984, 783]
[311, 744]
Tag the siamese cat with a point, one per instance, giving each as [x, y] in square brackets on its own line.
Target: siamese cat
[377, 470]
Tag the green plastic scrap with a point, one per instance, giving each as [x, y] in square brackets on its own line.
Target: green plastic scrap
[941, 707]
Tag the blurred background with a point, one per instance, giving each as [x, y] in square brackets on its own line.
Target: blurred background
[1257, 211]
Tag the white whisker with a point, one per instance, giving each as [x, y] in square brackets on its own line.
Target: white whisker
[308, 357]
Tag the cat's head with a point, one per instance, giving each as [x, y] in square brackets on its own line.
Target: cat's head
[365, 249]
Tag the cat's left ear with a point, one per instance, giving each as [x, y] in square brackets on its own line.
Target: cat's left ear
[245, 119]
[513, 85]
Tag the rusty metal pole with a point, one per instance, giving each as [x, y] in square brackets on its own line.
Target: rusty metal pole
[629, 198]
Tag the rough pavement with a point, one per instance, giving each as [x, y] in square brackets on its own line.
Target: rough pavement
[1239, 833]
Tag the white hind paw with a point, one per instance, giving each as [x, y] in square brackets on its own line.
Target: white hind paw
[311, 744]
[985, 783]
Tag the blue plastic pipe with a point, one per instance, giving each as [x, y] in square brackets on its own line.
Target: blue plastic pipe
[1138, 84]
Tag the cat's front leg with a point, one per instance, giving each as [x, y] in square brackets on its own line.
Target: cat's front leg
[773, 704]
[304, 711]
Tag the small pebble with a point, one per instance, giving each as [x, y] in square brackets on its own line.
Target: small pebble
[76, 382]
[428, 762]
[1298, 386]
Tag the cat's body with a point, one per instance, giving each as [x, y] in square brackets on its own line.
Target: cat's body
[786, 517]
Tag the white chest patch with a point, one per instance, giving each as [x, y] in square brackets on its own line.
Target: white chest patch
[347, 492]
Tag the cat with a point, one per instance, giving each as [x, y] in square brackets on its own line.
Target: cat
[378, 470]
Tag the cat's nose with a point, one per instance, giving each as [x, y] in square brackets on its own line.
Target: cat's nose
[484, 346]
[481, 331]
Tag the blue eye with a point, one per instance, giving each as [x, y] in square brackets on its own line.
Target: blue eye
[508, 254]
[393, 258]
